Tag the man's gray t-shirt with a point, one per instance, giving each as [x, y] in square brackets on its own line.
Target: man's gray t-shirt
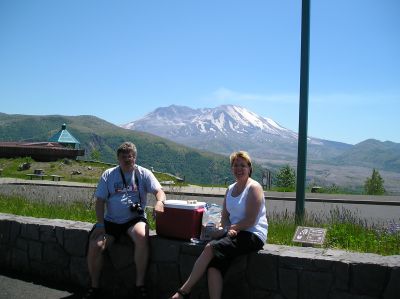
[119, 198]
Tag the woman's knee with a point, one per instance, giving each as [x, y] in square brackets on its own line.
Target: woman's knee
[208, 247]
[208, 250]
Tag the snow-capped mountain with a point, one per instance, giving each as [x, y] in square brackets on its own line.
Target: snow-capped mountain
[227, 128]
[223, 120]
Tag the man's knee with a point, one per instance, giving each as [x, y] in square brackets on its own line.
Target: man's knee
[139, 233]
[140, 239]
[97, 245]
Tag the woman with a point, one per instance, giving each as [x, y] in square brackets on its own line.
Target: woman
[244, 229]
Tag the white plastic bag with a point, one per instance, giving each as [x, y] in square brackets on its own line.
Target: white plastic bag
[210, 221]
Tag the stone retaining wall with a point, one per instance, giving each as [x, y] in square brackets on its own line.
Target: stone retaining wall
[55, 250]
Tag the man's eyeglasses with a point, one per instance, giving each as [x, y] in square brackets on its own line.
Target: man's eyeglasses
[125, 157]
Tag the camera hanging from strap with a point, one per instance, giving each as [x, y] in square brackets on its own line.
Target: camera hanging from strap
[136, 175]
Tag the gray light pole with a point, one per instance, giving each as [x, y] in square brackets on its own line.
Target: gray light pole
[303, 110]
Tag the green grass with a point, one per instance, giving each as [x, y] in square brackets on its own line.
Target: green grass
[344, 230]
[77, 211]
[90, 171]
[356, 238]
[72, 211]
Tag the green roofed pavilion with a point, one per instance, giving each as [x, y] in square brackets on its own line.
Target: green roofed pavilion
[64, 137]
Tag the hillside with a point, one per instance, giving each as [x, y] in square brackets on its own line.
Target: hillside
[197, 167]
[227, 127]
[374, 154]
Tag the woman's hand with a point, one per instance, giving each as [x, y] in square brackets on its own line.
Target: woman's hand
[218, 233]
[232, 232]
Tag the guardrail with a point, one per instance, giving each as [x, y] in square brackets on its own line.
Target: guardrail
[292, 198]
[359, 199]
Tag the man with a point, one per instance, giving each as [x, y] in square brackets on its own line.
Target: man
[123, 191]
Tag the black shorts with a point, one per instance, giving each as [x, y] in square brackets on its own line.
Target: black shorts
[117, 229]
[227, 248]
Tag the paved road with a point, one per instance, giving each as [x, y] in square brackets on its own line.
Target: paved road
[12, 287]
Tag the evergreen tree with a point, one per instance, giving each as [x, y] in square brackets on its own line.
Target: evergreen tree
[374, 184]
[286, 178]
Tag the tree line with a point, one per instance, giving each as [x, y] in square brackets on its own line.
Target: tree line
[286, 181]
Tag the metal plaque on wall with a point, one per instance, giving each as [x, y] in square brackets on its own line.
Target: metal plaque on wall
[309, 235]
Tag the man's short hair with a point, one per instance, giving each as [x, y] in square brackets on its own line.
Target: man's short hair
[127, 147]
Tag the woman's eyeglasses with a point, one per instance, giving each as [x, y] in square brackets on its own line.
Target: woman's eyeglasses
[240, 165]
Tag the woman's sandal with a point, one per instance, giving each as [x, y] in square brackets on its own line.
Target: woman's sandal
[141, 292]
[183, 294]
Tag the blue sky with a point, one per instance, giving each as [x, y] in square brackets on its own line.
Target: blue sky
[119, 60]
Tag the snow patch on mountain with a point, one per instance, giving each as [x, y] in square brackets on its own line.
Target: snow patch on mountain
[222, 129]
[223, 120]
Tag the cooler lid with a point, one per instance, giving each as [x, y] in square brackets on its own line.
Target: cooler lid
[183, 204]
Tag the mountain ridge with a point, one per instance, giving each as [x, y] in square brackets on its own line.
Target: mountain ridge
[197, 166]
[197, 117]
[217, 130]
[373, 153]
[225, 128]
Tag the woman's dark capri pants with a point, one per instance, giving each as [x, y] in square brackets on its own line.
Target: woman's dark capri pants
[227, 248]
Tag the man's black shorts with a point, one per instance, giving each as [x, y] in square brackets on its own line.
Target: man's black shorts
[117, 229]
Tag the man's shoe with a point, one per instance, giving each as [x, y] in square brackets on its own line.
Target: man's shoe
[92, 293]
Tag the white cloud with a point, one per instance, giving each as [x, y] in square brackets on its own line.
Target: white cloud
[225, 95]
[351, 99]
[228, 96]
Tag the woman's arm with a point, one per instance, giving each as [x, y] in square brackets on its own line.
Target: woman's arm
[225, 223]
[224, 214]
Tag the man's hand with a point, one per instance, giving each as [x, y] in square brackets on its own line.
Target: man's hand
[159, 206]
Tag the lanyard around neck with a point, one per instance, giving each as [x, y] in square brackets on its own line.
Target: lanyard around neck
[135, 174]
[123, 178]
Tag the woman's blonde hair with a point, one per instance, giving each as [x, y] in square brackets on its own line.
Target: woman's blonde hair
[244, 155]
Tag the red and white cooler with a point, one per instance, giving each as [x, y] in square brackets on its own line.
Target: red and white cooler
[181, 219]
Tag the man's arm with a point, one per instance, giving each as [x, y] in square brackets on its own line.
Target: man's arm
[160, 198]
[99, 226]
[100, 203]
